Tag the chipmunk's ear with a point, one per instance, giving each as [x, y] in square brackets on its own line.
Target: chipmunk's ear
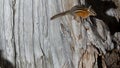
[89, 7]
[92, 12]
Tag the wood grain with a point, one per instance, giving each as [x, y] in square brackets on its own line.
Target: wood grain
[29, 39]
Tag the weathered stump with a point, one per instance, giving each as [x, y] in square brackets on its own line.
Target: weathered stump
[29, 39]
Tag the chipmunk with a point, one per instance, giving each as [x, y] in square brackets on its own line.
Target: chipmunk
[77, 11]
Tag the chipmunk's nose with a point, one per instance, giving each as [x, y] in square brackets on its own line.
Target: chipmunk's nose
[93, 13]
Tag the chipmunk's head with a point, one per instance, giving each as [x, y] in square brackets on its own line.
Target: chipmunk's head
[92, 12]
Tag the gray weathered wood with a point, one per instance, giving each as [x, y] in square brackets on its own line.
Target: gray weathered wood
[29, 39]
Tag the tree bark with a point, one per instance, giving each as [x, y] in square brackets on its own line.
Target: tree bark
[29, 39]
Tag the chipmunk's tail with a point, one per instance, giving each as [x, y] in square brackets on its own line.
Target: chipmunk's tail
[60, 14]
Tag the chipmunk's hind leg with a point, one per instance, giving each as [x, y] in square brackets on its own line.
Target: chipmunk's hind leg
[82, 20]
[77, 19]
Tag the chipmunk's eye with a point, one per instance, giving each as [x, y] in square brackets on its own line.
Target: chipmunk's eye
[92, 12]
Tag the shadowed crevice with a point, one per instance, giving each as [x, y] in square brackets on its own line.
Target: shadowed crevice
[4, 63]
[101, 7]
